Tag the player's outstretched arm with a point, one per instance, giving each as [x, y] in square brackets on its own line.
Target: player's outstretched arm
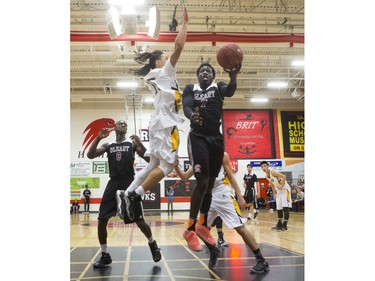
[180, 39]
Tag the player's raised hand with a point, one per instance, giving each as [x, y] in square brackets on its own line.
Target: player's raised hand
[104, 132]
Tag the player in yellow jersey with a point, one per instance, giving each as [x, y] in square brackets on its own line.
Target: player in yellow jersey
[224, 205]
[283, 196]
[160, 78]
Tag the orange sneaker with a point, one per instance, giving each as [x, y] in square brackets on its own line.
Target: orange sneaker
[192, 241]
[204, 234]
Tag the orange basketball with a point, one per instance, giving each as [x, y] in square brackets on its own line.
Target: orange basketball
[229, 56]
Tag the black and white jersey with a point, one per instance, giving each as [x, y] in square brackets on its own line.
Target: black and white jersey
[210, 102]
[250, 180]
[121, 159]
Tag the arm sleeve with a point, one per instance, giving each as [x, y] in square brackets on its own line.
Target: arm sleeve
[188, 101]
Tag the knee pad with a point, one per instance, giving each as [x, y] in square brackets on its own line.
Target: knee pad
[166, 167]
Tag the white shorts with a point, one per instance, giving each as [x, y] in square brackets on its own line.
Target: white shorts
[226, 207]
[283, 199]
[164, 144]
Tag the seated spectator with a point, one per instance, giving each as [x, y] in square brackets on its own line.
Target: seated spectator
[272, 203]
[75, 207]
[300, 200]
[269, 192]
[261, 202]
[293, 197]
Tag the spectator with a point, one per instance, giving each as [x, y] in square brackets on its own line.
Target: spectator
[261, 202]
[87, 195]
[293, 196]
[170, 193]
[271, 199]
[300, 200]
[75, 207]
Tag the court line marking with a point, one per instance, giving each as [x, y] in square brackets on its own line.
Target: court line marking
[128, 256]
[167, 268]
[198, 259]
[88, 265]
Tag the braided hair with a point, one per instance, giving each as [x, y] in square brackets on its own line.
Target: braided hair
[141, 58]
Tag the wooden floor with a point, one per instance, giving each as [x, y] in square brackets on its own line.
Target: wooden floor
[132, 259]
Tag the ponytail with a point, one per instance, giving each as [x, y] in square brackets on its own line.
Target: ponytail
[141, 58]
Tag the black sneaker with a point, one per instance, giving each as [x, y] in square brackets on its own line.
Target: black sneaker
[155, 250]
[222, 242]
[130, 200]
[104, 260]
[284, 226]
[260, 267]
[256, 214]
[277, 227]
[214, 255]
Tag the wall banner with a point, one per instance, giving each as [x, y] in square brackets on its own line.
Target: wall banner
[249, 134]
[151, 199]
[181, 188]
[293, 128]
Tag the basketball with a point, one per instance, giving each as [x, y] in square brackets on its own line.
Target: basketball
[229, 56]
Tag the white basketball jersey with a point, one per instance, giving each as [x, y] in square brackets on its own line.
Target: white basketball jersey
[162, 83]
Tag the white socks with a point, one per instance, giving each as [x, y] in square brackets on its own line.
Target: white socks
[139, 190]
[104, 248]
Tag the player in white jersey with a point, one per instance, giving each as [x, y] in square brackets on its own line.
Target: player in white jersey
[224, 205]
[282, 190]
[160, 78]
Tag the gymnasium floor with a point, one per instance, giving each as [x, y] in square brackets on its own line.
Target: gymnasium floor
[132, 258]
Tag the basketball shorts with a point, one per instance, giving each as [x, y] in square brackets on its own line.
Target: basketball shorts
[164, 144]
[249, 195]
[283, 199]
[206, 154]
[108, 205]
[225, 206]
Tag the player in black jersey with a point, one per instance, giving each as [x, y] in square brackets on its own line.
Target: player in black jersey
[203, 105]
[252, 192]
[121, 172]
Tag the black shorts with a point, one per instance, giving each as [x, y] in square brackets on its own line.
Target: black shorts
[249, 195]
[108, 205]
[138, 213]
[206, 154]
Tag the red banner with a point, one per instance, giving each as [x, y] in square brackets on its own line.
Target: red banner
[248, 134]
[234, 164]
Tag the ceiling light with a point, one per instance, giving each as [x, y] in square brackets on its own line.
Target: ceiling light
[298, 63]
[153, 23]
[148, 100]
[127, 84]
[277, 84]
[259, 100]
[113, 22]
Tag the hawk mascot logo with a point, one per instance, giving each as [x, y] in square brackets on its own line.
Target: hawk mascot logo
[94, 128]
